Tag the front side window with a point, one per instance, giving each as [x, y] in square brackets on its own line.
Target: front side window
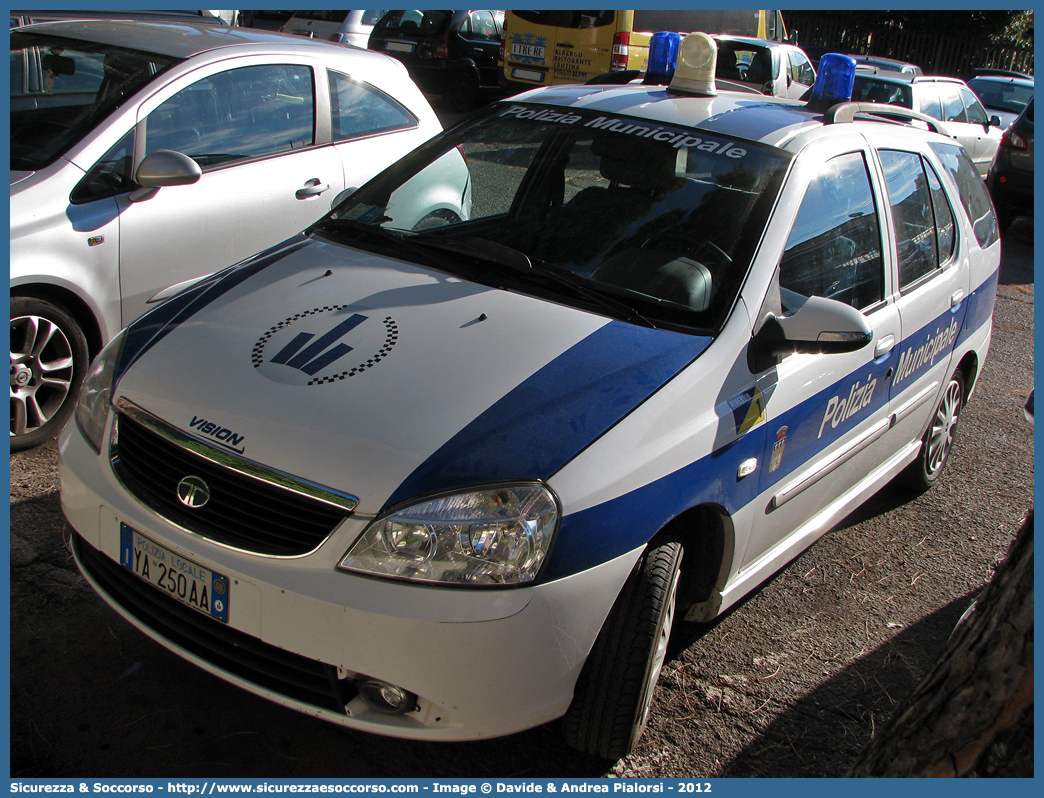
[921, 216]
[834, 249]
[237, 115]
[976, 113]
[975, 199]
[110, 176]
[358, 109]
[62, 89]
[643, 221]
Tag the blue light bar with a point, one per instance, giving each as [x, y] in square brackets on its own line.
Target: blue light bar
[834, 81]
[663, 56]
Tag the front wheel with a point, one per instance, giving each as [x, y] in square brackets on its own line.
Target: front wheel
[923, 472]
[613, 694]
[48, 361]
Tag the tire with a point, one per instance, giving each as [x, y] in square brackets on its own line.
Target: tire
[613, 694]
[462, 94]
[49, 358]
[437, 218]
[924, 472]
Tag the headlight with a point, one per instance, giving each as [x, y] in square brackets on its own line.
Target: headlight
[495, 536]
[92, 410]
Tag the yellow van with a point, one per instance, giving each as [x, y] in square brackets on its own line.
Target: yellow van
[541, 48]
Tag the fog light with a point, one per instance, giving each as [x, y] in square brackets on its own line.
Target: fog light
[383, 697]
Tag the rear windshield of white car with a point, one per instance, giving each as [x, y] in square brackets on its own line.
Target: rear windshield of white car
[661, 220]
[61, 89]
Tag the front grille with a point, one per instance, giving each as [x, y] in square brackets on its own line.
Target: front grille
[283, 672]
[246, 512]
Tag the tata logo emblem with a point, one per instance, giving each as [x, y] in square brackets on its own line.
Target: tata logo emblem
[323, 345]
[193, 492]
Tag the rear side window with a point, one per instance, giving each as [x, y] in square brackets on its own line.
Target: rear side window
[930, 104]
[922, 217]
[479, 26]
[975, 199]
[834, 249]
[358, 109]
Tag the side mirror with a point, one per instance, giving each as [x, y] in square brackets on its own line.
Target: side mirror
[994, 121]
[818, 325]
[163, 168]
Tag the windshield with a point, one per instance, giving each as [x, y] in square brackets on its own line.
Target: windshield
[873, 90]
[61, 89]
[610, 211]
[1002, 95]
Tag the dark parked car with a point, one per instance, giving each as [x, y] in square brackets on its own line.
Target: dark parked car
[1011, 175]
[1004, 95]
[449, 53]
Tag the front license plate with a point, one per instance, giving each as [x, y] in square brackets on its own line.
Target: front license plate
[187, 581]
[399, 47]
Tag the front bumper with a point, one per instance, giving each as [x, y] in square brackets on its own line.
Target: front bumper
[483, 663]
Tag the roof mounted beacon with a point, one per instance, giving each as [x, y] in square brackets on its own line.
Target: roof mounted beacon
[697, 60]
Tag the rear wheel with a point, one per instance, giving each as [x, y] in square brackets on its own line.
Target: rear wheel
[48, 361]
[462, 94]
[923, 472]
[613, 694]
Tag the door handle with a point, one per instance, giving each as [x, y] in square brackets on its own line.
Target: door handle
[956, 297]
[884, 345]
[313, 188]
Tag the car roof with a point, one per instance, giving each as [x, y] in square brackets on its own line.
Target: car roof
[769, 120]
[1018, 81]
[747, 40]
[174, 39]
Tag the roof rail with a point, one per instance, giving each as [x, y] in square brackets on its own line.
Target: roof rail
[846, 112]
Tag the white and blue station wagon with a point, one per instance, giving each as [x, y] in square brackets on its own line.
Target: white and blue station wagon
[455, 482]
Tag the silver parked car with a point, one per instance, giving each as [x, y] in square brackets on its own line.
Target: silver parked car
[947, 99]
[144, 155]
[773, 68]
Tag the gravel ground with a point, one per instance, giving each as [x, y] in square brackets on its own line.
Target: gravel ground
[793, 682]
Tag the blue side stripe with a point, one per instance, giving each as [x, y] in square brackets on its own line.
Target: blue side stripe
[600, 533]
[980, 307]
[151, 328]
[554, 414]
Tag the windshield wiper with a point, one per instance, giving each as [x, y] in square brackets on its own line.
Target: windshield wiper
[519, 261]
[425, 248]
[388, 240]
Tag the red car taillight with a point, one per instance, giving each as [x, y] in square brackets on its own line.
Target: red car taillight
[1013, 140]
[618, 62]
[442, 49]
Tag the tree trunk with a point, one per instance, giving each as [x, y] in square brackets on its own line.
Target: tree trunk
[972, 715]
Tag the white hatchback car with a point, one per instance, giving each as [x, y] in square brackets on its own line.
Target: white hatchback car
[343, 27]
[453, 484]
[145, 154]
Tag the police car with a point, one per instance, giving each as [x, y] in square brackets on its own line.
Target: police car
[457, 482]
